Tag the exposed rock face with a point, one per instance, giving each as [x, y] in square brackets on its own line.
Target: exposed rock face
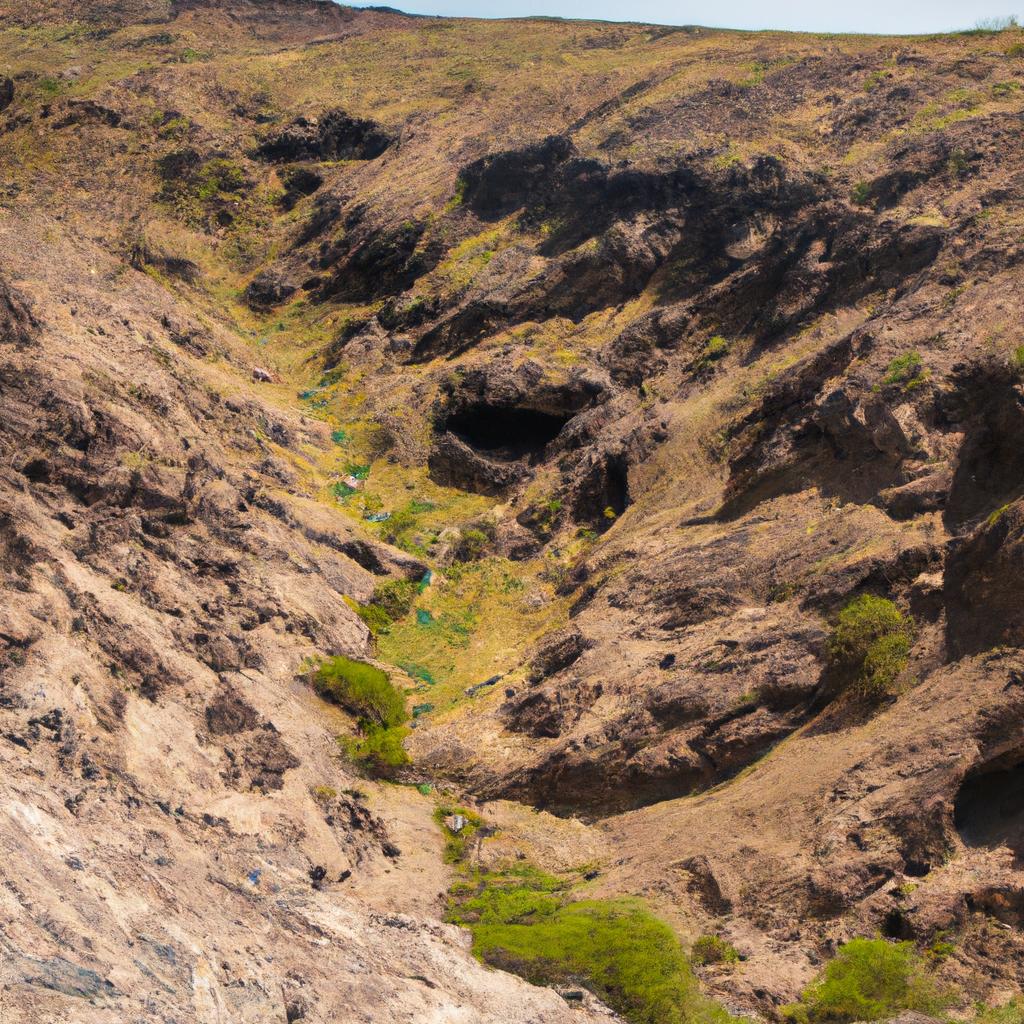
[494, 423]
[6, 92]
[983, 606]
[333, 136]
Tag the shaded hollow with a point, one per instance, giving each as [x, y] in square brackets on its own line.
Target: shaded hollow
[989, 809]
[508, 434]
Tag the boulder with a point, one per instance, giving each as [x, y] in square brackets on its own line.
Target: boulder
[267, 290]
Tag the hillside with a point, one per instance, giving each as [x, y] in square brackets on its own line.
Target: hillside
[646, 403]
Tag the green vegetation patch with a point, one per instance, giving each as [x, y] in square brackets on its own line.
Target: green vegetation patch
[627, 956]
[456, 844]
[907, 372]
[870, 979]
[1017, 361]
[391, 601]
[381, 751]
[711, 949]
[523, 920]
[716, 349]
[367, 692]
[424, 675]
[860, 194]
[1010, 1013]
[362, 689]
[870, 645]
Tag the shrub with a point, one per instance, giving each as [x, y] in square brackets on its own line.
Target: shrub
[522, 922]
[906, 371]
[49, 86]
[472, 544]
[958, 164]
[717, 348]
[396, 529]
[380, 749]
[456, 843]
[377, 620]
[219, 177]
[870, 979]
[395, 597]
[992, 26]
[710, 949]
[870, 645]
[361, 689]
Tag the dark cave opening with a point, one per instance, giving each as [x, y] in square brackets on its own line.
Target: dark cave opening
[508, 434]
[989, 808]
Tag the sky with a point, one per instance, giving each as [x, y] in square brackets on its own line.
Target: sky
[886, 16]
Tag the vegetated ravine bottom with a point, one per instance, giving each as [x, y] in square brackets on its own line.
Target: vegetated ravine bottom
[557, 479]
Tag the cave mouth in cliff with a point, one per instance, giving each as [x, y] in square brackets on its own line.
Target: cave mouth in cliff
[508, 434]
[989, 808]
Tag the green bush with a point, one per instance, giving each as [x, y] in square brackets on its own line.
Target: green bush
[49, 86]
[870, 979]
[870, 645]
[380, 749]
[860, 194]
[472, 544]
[521, 921]
[520, 896]
[219, 177]
[456, 843]
[710, 949]
[906, 371]
[401, 528]
[361, 689]
[717, 348]
[377, 620]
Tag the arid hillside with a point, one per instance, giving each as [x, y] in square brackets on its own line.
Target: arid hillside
[641, 409]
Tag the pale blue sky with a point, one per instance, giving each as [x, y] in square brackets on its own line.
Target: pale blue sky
[903, 16]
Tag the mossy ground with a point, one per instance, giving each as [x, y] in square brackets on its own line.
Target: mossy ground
[471, 625]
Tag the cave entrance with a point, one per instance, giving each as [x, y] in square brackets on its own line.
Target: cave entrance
[989, 809]
[506, 434]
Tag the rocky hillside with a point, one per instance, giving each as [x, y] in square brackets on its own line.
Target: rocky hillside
[647, 403]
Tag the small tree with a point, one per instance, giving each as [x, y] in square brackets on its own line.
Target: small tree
[870, 645]
[870, 979]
